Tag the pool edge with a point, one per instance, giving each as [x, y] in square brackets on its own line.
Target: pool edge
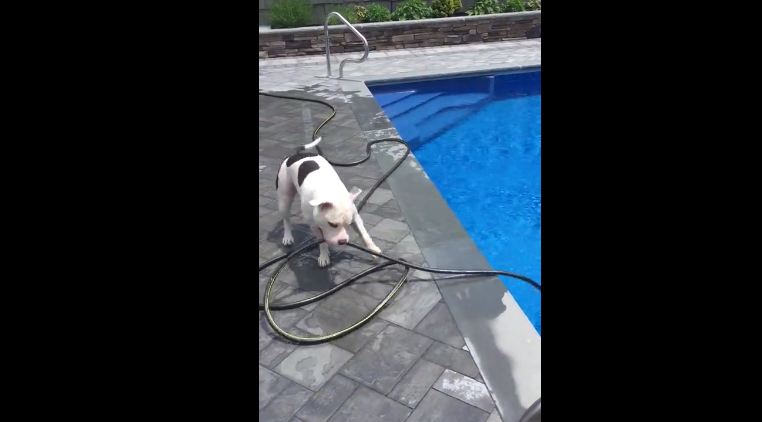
[416, 76]
[503, 342]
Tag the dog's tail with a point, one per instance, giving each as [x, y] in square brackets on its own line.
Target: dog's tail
[312, 144]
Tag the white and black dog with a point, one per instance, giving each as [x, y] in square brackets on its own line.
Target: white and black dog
[326, 204]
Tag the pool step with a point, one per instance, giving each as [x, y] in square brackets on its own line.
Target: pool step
[419, 135]
[444, 120]
[439, 113]
[409, 103]
[387, 99]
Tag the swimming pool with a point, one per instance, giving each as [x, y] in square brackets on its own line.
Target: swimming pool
[478, 139]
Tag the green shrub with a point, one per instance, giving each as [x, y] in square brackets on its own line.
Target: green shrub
[513, 6]
[361, 12]
[445, 8]
[377, 13]
[290, 13]
[349, 13]
[486, 7]
[412, 10]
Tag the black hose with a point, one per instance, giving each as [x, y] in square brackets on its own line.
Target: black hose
[267, 306]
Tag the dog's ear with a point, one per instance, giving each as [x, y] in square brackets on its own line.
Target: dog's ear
[354, 193]
[324, 205]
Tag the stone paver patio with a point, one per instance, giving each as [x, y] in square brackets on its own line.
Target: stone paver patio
[411, 363]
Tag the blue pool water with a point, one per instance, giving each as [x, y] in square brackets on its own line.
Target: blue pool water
[478, 139]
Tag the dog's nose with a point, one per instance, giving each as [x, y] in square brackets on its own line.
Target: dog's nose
[342, 241]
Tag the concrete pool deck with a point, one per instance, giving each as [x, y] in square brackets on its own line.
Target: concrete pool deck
[413, 362]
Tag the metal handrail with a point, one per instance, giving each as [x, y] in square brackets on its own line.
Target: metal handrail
[328, 44]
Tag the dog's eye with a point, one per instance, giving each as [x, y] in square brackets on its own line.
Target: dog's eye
[333, 225]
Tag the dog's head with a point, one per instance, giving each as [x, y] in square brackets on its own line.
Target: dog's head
[334, 215]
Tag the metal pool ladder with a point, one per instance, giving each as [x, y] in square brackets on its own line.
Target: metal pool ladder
[328, 44]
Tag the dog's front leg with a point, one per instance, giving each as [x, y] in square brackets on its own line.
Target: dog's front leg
[325, 256]
[364, 233]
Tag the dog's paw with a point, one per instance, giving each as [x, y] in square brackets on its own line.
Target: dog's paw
[323, 261]
[288, 240]
[375, 249]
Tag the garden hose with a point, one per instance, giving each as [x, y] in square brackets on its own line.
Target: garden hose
[268, 306]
